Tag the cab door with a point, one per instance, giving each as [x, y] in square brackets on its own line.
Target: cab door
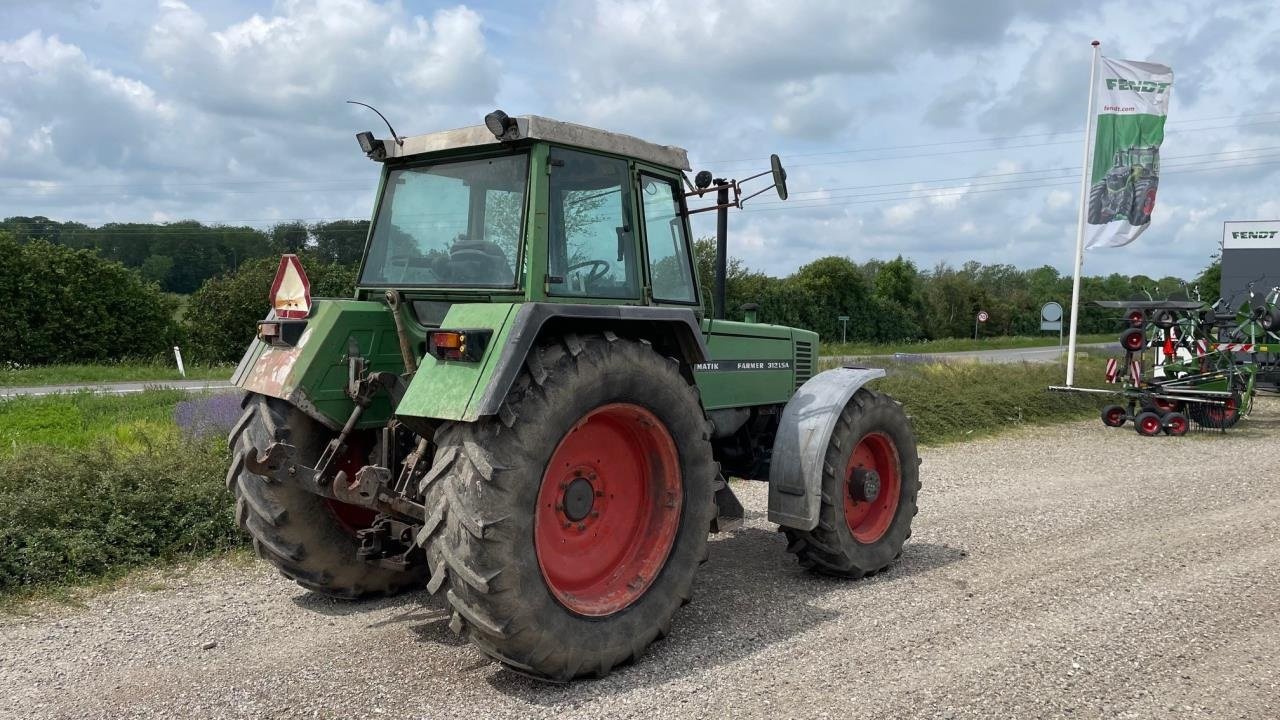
[669, 278]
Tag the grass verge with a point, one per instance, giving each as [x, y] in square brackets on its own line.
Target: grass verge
[949, 402]
[955, 345]
[27, 376]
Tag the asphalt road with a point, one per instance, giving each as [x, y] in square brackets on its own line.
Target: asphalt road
[1045, 354]
[1013, 355]
[1065, 572]
[120, 388]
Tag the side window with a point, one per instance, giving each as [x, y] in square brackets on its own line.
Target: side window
[590, 240]
[668, 245]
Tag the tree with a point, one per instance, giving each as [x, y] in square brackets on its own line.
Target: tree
[58, 304]
[341, 241]
[289, 237]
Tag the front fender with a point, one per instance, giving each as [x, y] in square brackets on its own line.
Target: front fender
[805, 429]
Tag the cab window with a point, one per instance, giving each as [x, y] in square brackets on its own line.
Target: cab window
[590, 242]
[670, 272]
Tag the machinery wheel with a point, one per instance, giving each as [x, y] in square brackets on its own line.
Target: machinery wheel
[869, 484]
[1136, 317]
[1163, 319]
[1217, 417]
[1176, 424]
[569, 527]
[309, 538]
[1133, 340]
[1114, 415]
[1147, 423]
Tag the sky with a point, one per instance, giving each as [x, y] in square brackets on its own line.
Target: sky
[942, 131]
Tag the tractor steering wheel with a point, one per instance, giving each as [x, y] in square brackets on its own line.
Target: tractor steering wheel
[600, 268]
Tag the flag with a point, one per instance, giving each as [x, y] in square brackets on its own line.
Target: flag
[1131, 100]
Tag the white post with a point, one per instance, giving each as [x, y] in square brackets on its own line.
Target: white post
[177, 355]
[1084, 201]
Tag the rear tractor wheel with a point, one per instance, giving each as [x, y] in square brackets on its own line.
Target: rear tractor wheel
[309, 538]
[869, 485]
[569, 528]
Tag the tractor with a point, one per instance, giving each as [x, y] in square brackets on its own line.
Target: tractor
[524, 407]
[1128, 190]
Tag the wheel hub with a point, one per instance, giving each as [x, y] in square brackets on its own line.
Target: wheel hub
[579, 496]
[865, 485]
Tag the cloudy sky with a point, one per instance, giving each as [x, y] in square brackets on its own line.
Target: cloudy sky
[944, 131]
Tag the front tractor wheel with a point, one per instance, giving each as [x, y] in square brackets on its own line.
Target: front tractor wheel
[870, 481]
[309, 538]
[568, 529]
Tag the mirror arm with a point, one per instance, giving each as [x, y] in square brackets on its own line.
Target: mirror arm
[756, 193]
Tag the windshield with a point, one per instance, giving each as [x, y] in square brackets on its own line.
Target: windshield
[450, 224]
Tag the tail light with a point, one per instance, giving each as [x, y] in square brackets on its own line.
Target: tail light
[462, 345]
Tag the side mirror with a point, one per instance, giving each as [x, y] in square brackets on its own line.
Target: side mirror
[779, 176]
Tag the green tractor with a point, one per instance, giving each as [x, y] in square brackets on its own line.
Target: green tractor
[524, 408]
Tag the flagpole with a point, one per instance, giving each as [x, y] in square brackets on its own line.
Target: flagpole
[1084, 201]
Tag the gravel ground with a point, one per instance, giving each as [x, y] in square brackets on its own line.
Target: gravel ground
[1071, 571]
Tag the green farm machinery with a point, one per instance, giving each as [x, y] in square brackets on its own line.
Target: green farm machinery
[524, 409]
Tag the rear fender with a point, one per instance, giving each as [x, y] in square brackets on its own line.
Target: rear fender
[805, 429]
[468, 391]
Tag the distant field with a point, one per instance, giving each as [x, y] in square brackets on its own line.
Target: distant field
[109, 372]
[956, 345]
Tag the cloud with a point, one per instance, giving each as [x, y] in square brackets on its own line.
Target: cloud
[300, 60]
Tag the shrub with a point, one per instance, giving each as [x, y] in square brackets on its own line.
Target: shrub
[223, 314]
[60, 305]
[68, 515]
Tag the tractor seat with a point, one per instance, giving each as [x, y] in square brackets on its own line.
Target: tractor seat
[480, 261]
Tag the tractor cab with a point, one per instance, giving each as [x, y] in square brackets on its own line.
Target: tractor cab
[541, 211]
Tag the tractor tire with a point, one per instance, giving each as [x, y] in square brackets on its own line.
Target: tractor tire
[1096, 194]
[569, 527]
[1163, 319]
[1114, 416]
[1216, 417]
[861, 532]
[1148, 424]
[310, 539]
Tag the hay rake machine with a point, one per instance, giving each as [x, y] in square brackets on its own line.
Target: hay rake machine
[1178, 370]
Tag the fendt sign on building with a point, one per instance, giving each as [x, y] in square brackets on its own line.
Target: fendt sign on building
[1250, 252]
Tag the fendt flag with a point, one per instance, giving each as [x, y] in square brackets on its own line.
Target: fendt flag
[1132, 100]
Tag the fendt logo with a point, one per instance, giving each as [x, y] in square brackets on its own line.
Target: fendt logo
[1147, 86]
[1253, 234]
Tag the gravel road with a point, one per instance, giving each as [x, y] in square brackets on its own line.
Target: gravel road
[1071, 571]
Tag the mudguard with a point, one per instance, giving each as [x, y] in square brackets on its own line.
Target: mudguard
[809, 419]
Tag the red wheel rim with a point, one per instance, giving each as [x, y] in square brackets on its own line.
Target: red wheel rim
[1150, 204]
[1222, 413]
[1177, 426]
[608, 509]
[869, 514]
[351, 518]
[1133, 340]
[1115, 416]
[1150, 425]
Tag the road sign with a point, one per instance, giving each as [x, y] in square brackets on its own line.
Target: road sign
[983, 316]
[1051, 318]
[844, 327]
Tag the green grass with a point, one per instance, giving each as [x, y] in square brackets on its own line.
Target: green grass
[955, 345]
[109, 372]
[949, 402]
[79, 420]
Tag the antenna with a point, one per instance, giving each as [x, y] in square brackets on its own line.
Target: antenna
[399, 140]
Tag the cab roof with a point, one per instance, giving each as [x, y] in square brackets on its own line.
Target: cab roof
[536, 127]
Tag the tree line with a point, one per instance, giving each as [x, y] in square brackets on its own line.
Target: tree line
[69, 293]
[180, 256]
